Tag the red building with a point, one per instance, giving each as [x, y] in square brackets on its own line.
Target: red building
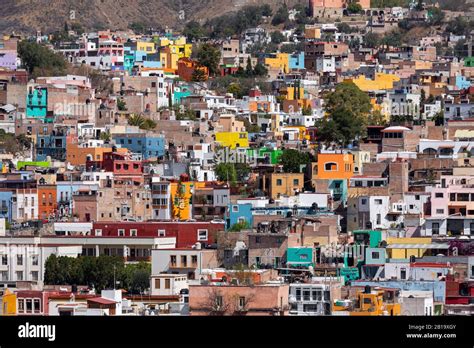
[186, 68]
[187, 233]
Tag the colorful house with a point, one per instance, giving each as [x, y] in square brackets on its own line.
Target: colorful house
[296, 61]
[381, 81]
[148, 145]
[181, 198]
[279, 61]
[187, 67]
[300, 257]
[232, 139]
[335, 166]
[37, 102]
[9, 301]
[240, 213]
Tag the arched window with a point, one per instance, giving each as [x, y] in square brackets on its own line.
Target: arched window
[330, 167]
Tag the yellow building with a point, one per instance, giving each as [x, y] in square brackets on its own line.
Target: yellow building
[232, 139]
[368, 304]
[181, 194]
[381, 81]
[280, 61]
[146, 46]
[292, 93]
[283, 184]
[8, 303]
[403, 248]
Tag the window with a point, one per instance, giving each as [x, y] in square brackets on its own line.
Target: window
[121, 232]
[439, 211]
[157, 283]
[330, 167]
[34, 260]
[258, 240]
[471, 228]
[34, 275]
[298, 294]
[19, 275]
[173, 260]
[242, 302]
[279, 182]
[21, 305]
[375, 255]
[379, 219]
[4, 275]
[435, 228]
[161, 233]
[363, 201]
[202, 235]
[378, 201]
[19, 260]
[235, 208]
[167, 283]
[296, 182]
[98, 232]
[403, 273]
[133, 233]
[194, 260]
[184, 261]
[219, 301]
[439, 195]
[4, 260]
[306, 295]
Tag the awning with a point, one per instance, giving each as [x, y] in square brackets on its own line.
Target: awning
[418, 246]
[298, 262]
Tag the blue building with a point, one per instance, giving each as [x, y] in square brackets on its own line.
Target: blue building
[52, 145]
[148, 145]
[239, 213]
[297, 61]
[37, 102]
[6, 205]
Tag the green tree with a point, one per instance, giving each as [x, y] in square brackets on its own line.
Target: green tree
[292, 160]
[121, 105]
[436, 16]
[260, 70]
[194, 31]
[281, 16]
[307, 111]
[249, 68]
[39, 60]
[376, 119]
[209, 56]
[277, 37]
[235, 89]
[354, 8]
[239, 226]
[349, 97]
[198, 75]
[327, 131]
[371, 40]
[393, 39]
[226, 172]
[138, 27]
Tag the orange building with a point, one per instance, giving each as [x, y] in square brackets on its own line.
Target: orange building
[186, 68]
[77, 155]
[335, 166]
[47, 201]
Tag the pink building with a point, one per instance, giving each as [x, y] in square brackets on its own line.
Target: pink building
[260, 300]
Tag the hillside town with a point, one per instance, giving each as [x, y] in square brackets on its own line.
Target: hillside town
[315, 160]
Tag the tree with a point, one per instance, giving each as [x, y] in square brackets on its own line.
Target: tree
[198, 75]
[307, 111]
[138, 27]
[39, 60]
[436, 16]
[239, 226]
[236, 90]
[194, 31]
[393, 39]
[277, 37]
[209, 56]
[348, 108]
[349, 97]
[260, 70]
[354, 8]
[292, 160]
[121, 105]
[226, 172]
[371, 40]
[327, 131]
[376, 119]
[215, 302]
[281, 16]
[248, 68]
